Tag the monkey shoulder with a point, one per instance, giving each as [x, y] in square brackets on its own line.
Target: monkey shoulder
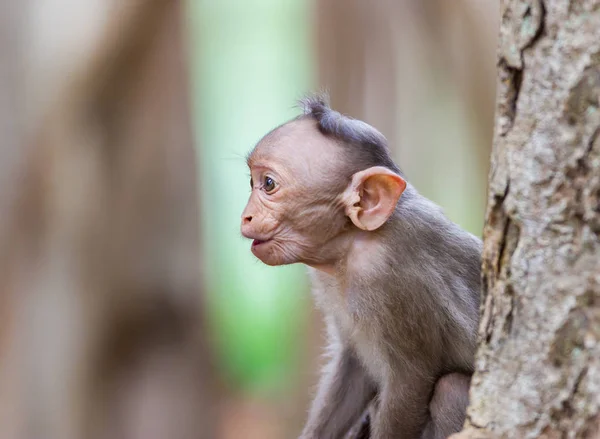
[427, 240]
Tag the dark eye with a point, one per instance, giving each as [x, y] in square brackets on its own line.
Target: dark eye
[269, 184]
[251, 183]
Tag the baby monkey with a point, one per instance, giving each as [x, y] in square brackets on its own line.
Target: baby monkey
[398, 282]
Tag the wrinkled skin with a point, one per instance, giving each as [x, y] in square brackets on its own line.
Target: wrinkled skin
[295, 212]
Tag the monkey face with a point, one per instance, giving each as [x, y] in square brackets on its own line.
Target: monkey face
[294, 211]
[262, 217]
[305, 197]
[286, 221]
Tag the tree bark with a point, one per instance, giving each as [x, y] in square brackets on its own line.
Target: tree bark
[538, 363]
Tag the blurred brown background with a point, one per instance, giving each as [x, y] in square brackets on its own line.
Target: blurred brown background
[130, 307]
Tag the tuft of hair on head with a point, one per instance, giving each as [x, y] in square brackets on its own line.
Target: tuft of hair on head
[348, 130]
[315, 104]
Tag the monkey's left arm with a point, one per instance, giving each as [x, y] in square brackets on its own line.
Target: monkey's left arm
[403, 408]
[344, 392]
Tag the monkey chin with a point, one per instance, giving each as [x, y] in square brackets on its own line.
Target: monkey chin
[262, 250]
[268, 254]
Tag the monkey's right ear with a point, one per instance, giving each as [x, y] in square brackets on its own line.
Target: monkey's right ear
[371, 197]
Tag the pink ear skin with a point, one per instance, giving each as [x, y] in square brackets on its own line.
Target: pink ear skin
[372, 196]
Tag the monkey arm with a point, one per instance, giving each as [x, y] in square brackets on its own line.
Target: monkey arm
[344, 392]
[403, 407]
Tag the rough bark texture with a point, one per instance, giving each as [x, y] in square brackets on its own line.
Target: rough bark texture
[538, 365]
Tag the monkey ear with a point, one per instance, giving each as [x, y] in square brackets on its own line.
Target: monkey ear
[371, 197]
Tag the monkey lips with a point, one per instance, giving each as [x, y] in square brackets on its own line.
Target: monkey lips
[260, 249]
[257, 242]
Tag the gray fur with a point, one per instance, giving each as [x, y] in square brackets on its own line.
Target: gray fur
[402, 327]
[409, 323]
[341, 397]
[448, 406]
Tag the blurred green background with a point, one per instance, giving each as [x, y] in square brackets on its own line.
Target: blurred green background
[251, 61]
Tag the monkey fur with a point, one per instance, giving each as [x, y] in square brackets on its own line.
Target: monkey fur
[398, 283]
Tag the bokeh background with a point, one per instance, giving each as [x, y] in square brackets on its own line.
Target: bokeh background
[130, 305]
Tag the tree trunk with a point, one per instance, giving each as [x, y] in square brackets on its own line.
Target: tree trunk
[538, 364]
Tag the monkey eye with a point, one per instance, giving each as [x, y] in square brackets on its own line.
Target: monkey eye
[251, 183]
[269, 184]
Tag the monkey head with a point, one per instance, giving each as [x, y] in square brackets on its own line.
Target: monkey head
[312, 191]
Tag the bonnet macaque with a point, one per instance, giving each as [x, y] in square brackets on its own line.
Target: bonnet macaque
[397, 282]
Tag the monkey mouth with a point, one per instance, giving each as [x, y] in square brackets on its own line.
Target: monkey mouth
[258, 242]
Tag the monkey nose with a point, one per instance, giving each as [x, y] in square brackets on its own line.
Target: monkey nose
[246, 227]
